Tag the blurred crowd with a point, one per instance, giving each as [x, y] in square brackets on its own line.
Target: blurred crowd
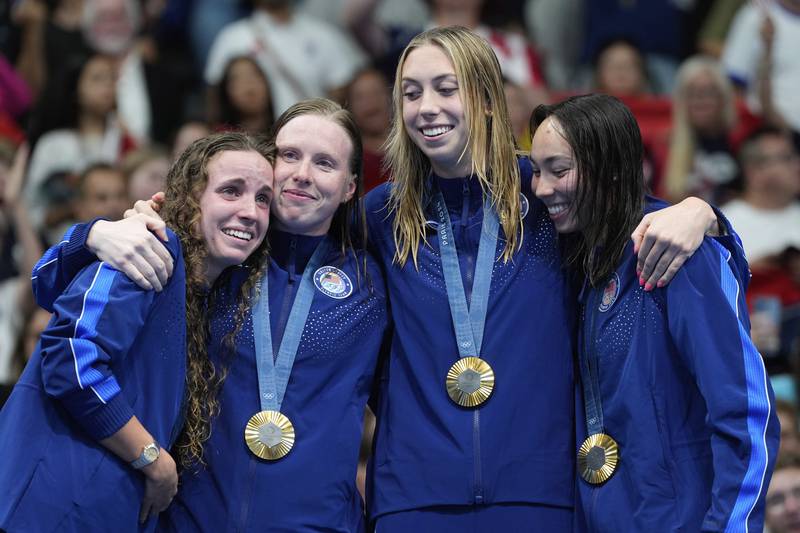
[98, 96]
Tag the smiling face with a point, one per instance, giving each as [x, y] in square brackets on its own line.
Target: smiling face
[234, 208]
[433, 112]
[555, 176]
[312, 174]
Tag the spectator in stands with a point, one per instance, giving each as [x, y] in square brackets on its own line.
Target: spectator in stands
[700, 160]
[519, 62]
[790, 437]
[16, 235]
[186, 134]
[50, 37]
[619, 69]
[102, 193]
[244, 97]
[146, 172]
[369, 98]
[519, 112]
[81, 128]
[761, 57]
[302, 57]
[150, 93]
[767, 216]
[783, 496]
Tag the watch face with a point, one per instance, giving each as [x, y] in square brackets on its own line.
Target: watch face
[151, 453]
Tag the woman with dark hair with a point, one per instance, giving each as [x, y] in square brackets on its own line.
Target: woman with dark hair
[281, 424]
[245, 97]
[676, 426]
[86, 430]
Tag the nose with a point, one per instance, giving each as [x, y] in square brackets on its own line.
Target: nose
[429, 103]
[303, 171]
[542, 186]
[248, 209]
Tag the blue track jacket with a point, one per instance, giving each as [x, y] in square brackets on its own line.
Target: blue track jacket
[111, 351]
[313, 487]
[685, 394]
[518, 446]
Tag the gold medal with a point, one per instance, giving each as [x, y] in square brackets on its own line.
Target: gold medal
[470, 381]
[597, 458]
[269, 435]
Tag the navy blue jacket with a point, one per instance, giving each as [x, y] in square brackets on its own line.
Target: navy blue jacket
[110, 351]
[313, 487]
[685, 394]
[518, 446]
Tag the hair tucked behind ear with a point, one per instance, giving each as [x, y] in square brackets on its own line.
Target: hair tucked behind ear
[186, 181]
[491, 141]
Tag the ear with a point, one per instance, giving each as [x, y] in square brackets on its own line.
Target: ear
[351, 188]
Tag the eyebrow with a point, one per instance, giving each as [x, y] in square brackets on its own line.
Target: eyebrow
[438, 78]
[554, 158]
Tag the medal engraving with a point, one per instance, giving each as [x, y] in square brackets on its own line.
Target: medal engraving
[269, 435]
[598, 457]
[470, 381]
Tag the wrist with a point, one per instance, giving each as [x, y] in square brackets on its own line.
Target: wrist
[148, 457]
[92, 236]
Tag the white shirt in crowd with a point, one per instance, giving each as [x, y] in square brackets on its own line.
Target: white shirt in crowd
[764, 232]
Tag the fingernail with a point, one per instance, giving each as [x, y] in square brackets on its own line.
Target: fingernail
[641, 280]
[648, 287]
[660, 284]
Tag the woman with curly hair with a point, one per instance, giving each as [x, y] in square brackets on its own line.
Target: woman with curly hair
[87, 429]
[280, 412]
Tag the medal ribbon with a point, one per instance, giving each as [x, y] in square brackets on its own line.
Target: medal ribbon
[274, 372]
[590, 381]
[468, 319]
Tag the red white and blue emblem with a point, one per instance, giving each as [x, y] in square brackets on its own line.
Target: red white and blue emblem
[610, 294]
[333, 282]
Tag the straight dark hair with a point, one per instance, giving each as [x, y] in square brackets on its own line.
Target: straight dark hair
[607, 151]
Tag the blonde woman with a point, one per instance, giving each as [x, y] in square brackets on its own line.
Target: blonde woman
[701, 160]
[475, 418]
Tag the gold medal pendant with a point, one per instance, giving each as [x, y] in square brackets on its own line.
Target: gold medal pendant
[470, 381]
[269, 435]
[597, 458]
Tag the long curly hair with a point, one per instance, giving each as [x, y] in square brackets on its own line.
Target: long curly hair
[491, 141]
[186, 181]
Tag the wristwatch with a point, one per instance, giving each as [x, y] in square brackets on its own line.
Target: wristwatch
[149, 456]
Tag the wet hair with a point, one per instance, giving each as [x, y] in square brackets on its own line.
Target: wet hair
[607, 151]
[348, 227]
[186, 181]
[490, 142]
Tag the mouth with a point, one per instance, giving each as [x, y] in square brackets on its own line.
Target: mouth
[557, 210]
[434, 132]
[298, 194]
[238, 234]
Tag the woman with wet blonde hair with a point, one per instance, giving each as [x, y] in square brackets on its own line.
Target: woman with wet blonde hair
[475, 410]
[700, 160]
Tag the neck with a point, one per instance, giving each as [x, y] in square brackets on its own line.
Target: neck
[469, 18]
[299, 229]
[281, 15]
[459, 169]
[91, 124]
[768, 202]
[68, 14]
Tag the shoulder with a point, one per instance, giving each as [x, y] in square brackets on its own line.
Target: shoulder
[376, 201]
[173, 245]
[235, 32]
[707, 268]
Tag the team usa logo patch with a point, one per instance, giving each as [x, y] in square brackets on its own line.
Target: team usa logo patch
[333, 282]
[524, 205]
[610, 294]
